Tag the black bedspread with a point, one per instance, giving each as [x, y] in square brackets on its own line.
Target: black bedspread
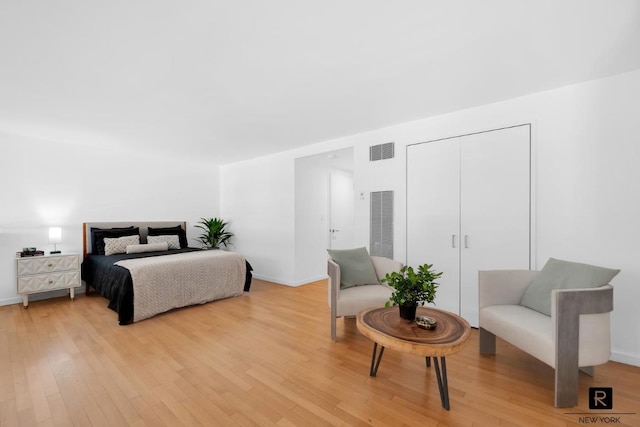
[114, 282]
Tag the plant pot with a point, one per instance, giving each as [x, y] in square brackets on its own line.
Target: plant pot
[408, 311]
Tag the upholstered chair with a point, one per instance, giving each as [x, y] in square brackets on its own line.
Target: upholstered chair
[572, 333]
[349, 301]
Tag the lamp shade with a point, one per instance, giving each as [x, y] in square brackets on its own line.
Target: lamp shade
[55, 234]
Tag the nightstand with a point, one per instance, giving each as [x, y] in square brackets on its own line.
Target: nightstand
[47, 273]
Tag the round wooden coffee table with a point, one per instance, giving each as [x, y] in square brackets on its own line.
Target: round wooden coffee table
[385, 327]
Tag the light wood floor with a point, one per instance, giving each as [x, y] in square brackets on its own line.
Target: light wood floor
[265, 358]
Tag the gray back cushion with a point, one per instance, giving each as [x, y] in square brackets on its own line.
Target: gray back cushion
[558, 274]
[356, 268]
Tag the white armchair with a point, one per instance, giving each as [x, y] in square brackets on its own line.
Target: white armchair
[575, 337]
[350, 301]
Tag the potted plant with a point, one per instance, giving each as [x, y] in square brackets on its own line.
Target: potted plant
[412, 288]
[214, 233]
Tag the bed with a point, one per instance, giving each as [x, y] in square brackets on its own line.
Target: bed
[147, 268]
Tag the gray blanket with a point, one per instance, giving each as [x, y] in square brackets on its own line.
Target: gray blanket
[179, 280]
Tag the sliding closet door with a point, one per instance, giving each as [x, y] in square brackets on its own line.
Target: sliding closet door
[494, 208]
[433, 212]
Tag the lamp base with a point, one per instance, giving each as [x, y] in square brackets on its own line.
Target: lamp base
[55, 252]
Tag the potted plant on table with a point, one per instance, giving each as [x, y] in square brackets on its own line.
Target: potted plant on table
[214, 233]
[412, 288]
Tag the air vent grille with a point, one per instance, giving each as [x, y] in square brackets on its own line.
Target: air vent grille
[381, 232]
[381, 151]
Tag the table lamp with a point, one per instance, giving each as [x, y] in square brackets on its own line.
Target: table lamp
[55, 237]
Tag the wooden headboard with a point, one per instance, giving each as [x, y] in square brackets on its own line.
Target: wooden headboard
[86, 229]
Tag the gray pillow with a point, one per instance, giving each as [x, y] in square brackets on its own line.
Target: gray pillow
[149, 247]
[558, 274]
[356, 268]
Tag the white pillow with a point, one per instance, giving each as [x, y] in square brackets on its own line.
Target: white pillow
[119, 245]
[150, 247]
[173, 241]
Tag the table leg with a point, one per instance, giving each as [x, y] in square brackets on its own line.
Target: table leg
[442, 382]
[373, 371]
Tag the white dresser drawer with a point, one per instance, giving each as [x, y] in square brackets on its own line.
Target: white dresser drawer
[48, 282]
[47, 264]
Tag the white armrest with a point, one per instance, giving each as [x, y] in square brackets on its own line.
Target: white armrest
[384, 265]
[333, 269]
[498, 287]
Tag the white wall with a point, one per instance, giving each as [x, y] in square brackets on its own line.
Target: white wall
[587, 180]
[258, 202]
[45, 183]
[311, 219]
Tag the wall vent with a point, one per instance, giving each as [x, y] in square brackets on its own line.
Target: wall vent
[381, 232]
[381, 151]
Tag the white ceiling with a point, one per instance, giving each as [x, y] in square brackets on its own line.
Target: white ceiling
[229, 80]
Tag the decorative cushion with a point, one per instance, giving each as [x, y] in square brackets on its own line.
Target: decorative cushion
[98, 235]
[558, 274]
[173, 241]
[149, 247]
[356, 268]
[168, 231]
[118, 245]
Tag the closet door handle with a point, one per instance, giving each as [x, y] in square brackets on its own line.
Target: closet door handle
[466, 241]
[453, 240]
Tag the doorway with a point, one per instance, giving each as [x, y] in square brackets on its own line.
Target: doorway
[314, 220]
[341, 209]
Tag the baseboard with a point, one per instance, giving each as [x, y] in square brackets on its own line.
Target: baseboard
[310, 280]
[626, 358]
[289, 283]
[10, 301]
[42, 295]
[272, 279]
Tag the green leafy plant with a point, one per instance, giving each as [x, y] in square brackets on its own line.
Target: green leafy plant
[214, 233]
[411, 287]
